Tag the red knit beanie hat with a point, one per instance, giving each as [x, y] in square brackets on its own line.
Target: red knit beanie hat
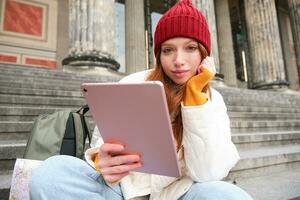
[182, 20]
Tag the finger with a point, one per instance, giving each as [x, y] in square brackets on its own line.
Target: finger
[114, 177]
[119, 160]
[108, 148]
[202, 64]
[209, 64]
[120, 169]
[199, 69]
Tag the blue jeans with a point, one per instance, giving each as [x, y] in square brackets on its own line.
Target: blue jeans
[66, 177]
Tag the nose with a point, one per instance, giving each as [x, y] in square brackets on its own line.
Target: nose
[179, 59]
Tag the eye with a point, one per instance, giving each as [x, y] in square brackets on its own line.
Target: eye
[191, 48]
[167, 50]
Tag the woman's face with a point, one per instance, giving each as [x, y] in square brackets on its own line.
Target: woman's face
[180, 58]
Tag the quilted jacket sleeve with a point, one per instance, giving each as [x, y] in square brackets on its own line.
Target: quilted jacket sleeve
[208, 149]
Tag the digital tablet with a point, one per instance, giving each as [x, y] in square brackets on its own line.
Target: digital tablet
[136, 115]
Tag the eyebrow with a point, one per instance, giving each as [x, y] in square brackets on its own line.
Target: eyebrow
[187, 42]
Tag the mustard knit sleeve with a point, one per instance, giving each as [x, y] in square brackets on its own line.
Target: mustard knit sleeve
[96, 160]
[193, 91]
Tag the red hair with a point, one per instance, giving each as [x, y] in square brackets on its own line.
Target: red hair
[174, 94]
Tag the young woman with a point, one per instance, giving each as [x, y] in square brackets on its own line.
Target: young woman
[200, 124]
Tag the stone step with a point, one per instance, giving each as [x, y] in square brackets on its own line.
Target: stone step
[15, 127]
[9, 151]
[12, 113]
[46, 73]
[33, 85]
[259, 139]
[273, 183]
[21, 135]
[263, 129]
[28, 111]
[20, 130]
[262, 109]
[12, 149]
[30, 117]
[237, 126]
[27, 118]
[263, 99]
[39, 92]
[50, 80]
[5, 181]
[264, 124]
[259, 97]
[262, 115]
[23, 126]
[234, 112]
[253, 159]
[255, 102]
[19, 113]
[6, 99]
[231, 95]
[9, 99]
[266, 156]
[250, 158]
[36, 110]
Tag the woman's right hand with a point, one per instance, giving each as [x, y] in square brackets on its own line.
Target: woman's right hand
[114, 164]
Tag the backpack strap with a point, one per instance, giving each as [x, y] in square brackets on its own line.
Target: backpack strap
[68, 143]
[82, 111]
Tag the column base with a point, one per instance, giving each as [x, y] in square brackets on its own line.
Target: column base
[271, 85]
[218, 83]
[91, 60]
[218, 80]
[242, 84]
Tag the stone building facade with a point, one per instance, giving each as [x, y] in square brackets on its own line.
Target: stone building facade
[256, 44]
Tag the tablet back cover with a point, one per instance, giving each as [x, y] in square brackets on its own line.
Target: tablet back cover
[136, 114]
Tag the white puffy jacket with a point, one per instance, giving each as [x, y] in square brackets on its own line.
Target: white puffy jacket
[209, 153]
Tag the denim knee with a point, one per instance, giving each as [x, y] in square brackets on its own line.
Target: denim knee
[58, 168]
[215, 190]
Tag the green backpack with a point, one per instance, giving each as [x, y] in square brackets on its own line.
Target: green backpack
[62, 132]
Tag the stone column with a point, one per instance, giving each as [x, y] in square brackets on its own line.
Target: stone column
[226, 54]
[135, 41]
[288, 48]
[92, 34]
[294, 11]
[208, 9]
[265, 46]
[62, 31]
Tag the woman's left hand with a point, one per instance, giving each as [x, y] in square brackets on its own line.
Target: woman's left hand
[209, 64]
[194, 94]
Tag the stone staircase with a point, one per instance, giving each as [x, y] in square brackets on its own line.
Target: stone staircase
[265, 125]
[25, 93]
[266, 130]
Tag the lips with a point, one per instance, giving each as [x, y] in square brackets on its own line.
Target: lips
[180, 73]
